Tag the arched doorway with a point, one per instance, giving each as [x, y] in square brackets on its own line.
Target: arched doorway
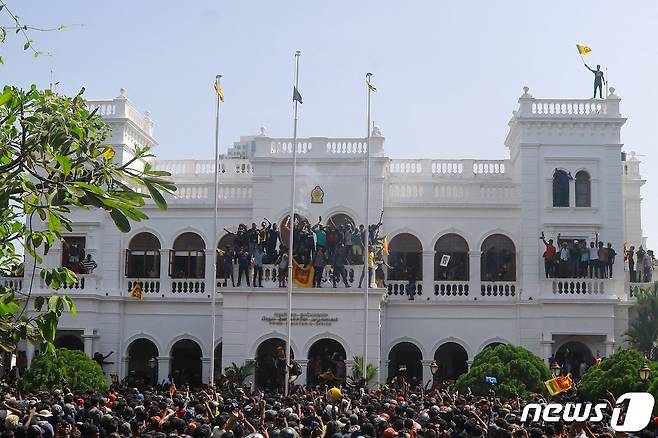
[143, 362]
[70, 342]
[405, 258]
[218, 360]
[455, 267]
[498, 262]
[574, 357]
[493, 345]
[270, 364]
[452, 360]
[186, 362]
[326, 357]
[405, 359]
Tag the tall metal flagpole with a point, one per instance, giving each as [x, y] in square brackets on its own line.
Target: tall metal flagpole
[291, 223]
[367, 239]
[213, 289]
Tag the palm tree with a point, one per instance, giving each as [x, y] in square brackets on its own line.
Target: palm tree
[237, 374]
[642, 333]
[357, 372]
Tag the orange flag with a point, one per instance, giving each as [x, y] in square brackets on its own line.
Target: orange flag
[302, 277]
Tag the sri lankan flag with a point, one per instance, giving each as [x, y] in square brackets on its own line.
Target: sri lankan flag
[558, 384]
[218, 89]
[583, 50]
[302, 277]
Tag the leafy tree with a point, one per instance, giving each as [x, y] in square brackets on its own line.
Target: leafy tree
[517, 370]
[54, 157]
[642, 333]
[357, 371]
[618, 374]
[64, 369]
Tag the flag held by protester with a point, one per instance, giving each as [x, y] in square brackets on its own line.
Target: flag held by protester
[583, 50]
[302, 277]
[558, 384]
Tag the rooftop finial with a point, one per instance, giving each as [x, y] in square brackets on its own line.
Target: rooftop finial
[122, 93]
[526, 93]
[263, 131]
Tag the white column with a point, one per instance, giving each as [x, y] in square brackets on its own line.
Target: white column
[475, 274]
[609, 346]
[210, 259]
[428, 273]
[29, 352]
[547, 348]
[205, 369]
[165, 284]
[427, 372]
[163, 367]
[125, 361]
[301, 380]
[88, 338]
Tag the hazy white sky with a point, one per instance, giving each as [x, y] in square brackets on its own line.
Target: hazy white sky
[449, 73]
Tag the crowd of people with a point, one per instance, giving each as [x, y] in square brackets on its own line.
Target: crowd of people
[233, 411]
[319, 245]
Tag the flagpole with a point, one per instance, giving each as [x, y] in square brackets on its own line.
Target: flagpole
[291, 224]
[213, 318]
[367, 239]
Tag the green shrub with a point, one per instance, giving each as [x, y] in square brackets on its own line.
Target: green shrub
[516, 369]
[618, 374]
[64, 368]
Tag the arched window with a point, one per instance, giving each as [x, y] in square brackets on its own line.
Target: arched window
[143, 257]
[583, 189]
[454, 267]
[498, 262]
[561, 188]
[187, 259]
[225, 251]
[405, 258]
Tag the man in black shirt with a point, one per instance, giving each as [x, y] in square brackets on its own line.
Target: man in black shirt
[598, 80]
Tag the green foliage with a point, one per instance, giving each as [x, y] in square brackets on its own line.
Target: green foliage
[357, 371]
[54, 157]
[516, 369]
[237, 374]
[642, 333]
[64, 368]
[618, 374]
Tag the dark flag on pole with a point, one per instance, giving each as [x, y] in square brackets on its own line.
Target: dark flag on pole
[295, 95]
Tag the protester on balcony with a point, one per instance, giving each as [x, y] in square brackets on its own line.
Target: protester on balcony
[273, 238]
[340, 258]
[257, 260]
[593, 260]
[603, 261]
[629, 254]
[332, 241]
[574, 259]
[319, 262]
[244, 260]
[549, 257]
[584, 259]
[412, 277]
[611, 259]
[357, 244]
[348, 229]
[262, 233]
[647, 268]
[282, 264]
[88, 265]
[639, 264]
[563, 261]
[228, 257]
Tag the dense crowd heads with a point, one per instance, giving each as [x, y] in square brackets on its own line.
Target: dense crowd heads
[321, 245]
[234, 411]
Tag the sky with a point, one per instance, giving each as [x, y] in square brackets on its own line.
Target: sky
[449, 73]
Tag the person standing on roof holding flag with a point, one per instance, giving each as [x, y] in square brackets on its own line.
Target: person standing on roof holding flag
[599, 80]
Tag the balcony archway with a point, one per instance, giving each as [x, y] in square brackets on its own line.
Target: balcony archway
[452, 361]
[142, 362]
[498, 261]
[455, 248]
[405, 257]
[325, 356]
[143, 256]
[187, 259]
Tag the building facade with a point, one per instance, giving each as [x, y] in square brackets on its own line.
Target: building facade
[564, 176]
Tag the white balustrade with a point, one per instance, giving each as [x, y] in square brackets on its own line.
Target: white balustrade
[569, 107]
[227, 167]
[150, 286]
[13, 283]
[579, 286]
[499, 289]
[85, 282]
[405, 166]
[349, 146]
[284, 146]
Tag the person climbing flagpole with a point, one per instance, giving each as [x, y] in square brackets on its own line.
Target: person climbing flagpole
[370, 88]
[213, 312]
[296, 99]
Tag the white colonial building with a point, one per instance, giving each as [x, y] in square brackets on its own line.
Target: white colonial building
[486, 214]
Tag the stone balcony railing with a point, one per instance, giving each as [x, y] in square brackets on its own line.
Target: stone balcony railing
[121, 108]
[530, 107]
[228, 168]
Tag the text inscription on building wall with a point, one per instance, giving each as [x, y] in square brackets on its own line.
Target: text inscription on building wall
[304, 318]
